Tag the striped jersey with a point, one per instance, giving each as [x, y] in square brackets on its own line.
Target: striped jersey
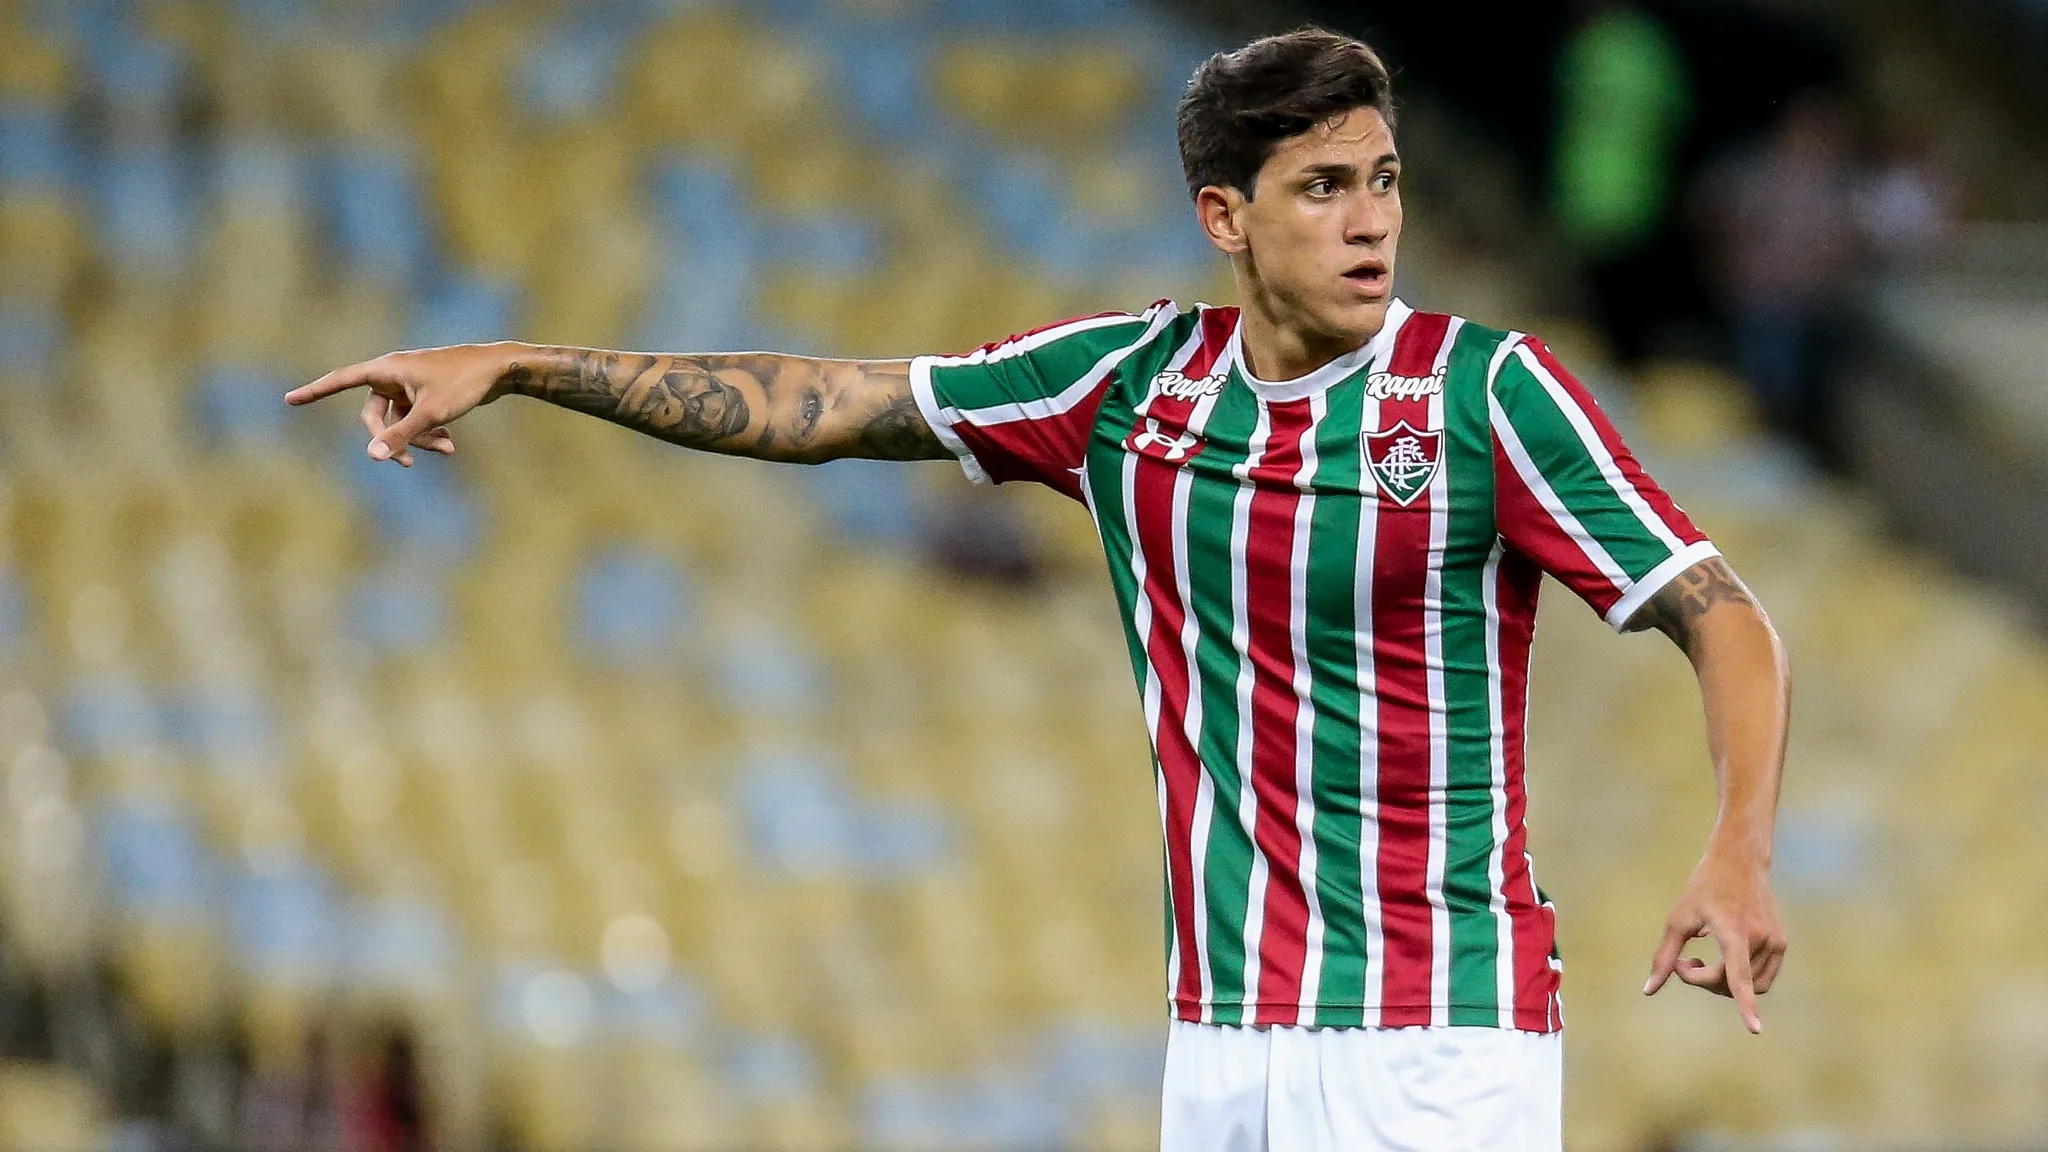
[1328, 586]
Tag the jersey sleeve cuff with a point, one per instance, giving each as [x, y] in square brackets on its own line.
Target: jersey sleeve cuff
[1653, 581]
[942, 418]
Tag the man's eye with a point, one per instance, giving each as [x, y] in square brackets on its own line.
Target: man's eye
[1383, 182]
[1322, 187]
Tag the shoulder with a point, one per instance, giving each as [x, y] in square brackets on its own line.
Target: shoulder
[1097, 328]
[1500, 350]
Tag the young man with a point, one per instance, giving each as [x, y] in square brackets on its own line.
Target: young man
[1326, 517]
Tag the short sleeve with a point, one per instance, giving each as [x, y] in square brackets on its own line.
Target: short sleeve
[1570, 495]
[1022, 408]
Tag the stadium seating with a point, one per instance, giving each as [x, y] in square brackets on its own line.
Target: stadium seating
[671, 799]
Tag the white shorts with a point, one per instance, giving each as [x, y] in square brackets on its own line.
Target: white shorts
[1288, 1089]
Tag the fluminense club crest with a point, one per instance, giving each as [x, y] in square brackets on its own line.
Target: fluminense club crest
[1404, 460]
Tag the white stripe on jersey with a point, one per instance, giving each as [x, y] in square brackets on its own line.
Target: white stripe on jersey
[1375, 974]
[1305, 713]
[1439, 705]
[1496, 715]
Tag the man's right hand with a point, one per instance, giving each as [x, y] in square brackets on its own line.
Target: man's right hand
[414, 396]
[795, 409]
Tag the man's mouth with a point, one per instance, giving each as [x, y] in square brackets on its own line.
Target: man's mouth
[1369, 274]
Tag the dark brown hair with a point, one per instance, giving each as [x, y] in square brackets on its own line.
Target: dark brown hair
[1240, 105]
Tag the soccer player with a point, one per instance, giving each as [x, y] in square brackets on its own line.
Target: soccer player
[1326, 516]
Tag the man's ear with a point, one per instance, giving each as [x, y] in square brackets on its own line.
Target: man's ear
[1221, 211]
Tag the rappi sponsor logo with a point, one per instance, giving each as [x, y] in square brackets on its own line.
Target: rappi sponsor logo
[1387, 386]
[1180, 386]
[1175, 446]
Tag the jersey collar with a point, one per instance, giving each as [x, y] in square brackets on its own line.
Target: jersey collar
[1302, 387]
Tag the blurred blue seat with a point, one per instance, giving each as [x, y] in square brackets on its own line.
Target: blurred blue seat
[399, 942]
[630, 607]
[551, 1005]
[260, 175]
[902, 839]
[155, 865]
[371, 202]
[571, 72]
[673, 1014]
[241, 404]
[284, 925]
[827, 243]
[1019, 192]
[425, 512]
[768, 1068]
[700, 199]
[107, 717]
[869, 502]
[702, 302]
[1830, 855]
[141, 78]
[1090, 1062]
[880, 70]
[462, 310]
[767, 672]
[969, 1113]
[702, 297]
[145, 212]
[37, 153]
[14, 614]
[400, 608]
[798, 818]
[31, 333]
[275, 18]
[224, 726]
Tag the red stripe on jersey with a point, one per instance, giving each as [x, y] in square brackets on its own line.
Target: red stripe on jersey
[1660, 503]
[1535, 981]
[1552, 548]
[1152, 509]
[1401, 667]
[1269, 596]
[1039, 448]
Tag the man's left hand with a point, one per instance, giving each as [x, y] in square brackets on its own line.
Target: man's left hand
[1729, 898]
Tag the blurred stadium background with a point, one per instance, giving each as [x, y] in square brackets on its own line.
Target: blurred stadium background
[582, 793]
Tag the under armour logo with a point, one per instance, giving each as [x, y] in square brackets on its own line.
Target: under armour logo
[1172, 447]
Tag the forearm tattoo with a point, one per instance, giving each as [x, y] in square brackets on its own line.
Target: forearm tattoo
[1677, 607]
[773, 407]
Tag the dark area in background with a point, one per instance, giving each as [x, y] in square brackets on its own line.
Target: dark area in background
[1495, 64]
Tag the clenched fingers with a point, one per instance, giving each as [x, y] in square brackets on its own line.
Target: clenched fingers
[1739, 972]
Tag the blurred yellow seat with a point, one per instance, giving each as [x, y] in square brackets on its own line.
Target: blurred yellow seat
[44, 1108]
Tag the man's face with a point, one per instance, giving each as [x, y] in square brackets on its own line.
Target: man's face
[1321, 228]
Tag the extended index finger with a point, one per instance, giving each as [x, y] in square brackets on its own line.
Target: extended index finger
[1736, 968]
[368, 372]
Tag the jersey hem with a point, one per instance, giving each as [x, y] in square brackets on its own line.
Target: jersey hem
[1546, 1019]
[1655, 579]
[934, 415]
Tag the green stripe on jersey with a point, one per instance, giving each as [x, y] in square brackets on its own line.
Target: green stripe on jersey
[1333, 692]
[1045, 372]
[1227, 871]
[1468, 690]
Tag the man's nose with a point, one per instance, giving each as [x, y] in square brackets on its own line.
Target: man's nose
[1367, 222]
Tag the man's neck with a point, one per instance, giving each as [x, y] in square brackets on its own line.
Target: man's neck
[1276, 350]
